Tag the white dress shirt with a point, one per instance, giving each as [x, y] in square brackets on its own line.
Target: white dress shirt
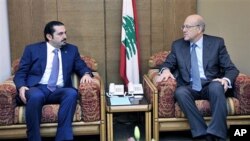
[47, 72]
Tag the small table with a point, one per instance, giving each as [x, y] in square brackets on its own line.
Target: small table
[135, 106]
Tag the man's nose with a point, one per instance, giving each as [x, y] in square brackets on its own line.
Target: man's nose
[64, 36]
[184, 29]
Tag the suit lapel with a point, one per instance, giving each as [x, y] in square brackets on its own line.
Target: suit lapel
[186, 55]
[64, 54]
[206, 50]
[43, 54]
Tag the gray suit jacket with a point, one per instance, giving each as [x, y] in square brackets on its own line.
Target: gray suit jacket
[216, 60]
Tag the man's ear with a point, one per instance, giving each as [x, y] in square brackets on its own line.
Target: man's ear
[199, 29]
[49, 37]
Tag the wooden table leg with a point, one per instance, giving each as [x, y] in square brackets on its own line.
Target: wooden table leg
[110, 126]
[148, 126]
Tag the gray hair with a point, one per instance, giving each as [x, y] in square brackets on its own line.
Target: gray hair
[202, 24]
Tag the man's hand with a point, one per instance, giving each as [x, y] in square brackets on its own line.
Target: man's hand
[223, 82]
[86, 78]
[164, 76]
[22, 93]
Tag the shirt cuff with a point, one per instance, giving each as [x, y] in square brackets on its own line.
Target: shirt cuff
[160, 72]
[89, 73]
[228, 81]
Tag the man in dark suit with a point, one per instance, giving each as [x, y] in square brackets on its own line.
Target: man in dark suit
[205, 73]
[37, 87]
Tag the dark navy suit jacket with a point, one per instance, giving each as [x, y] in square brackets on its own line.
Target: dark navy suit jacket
[216, 60]
[33, 63]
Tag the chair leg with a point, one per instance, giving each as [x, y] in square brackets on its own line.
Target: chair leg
[102, 132]
[156, 131]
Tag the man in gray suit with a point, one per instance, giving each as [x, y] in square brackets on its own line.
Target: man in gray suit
[205, 73]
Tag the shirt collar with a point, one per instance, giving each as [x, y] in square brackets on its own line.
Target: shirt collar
[50, 48]
[199, 43]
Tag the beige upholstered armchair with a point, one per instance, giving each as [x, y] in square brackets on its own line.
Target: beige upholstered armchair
[89, 118]
[167, 115]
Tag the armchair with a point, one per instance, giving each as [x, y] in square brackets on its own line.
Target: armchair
[89, 118]
[167, 115]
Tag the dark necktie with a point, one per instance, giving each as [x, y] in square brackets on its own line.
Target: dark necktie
[195, 74]
[54, 72]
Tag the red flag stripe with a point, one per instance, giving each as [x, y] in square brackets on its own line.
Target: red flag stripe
[123, 63]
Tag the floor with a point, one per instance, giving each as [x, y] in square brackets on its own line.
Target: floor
[124, 128]
[166, 136]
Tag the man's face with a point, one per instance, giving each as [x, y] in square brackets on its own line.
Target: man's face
[191, 30]
[59, 36]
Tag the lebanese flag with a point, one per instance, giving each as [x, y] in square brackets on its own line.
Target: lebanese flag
[129, 52]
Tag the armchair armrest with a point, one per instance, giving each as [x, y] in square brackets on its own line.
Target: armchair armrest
[151, 95]
[91, 95]
[166, 98]
[7, 101]
[242, 93]
[165, 95]
[149, 89]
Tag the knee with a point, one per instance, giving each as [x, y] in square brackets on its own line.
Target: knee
[71, 93]
[36, 99]
[181, 93]
[216, 88]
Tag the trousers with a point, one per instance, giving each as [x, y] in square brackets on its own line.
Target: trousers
[212, 91]
[41, 95]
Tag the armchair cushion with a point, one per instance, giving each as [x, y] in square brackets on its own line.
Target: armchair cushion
[204, 107]
[49, 114]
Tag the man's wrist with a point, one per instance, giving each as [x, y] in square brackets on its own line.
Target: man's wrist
[163, 69]
[89, 73]
[228, 82]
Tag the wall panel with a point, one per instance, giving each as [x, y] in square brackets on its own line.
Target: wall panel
[26, 22]
[95, 27]
[84, 20]
[175, 12]
[113, 22]
[157, 26]
[144, 24]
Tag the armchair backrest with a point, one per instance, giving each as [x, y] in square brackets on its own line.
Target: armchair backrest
[157, 59]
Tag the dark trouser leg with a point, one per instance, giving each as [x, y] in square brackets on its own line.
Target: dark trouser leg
[67, 98]
[35, 101]
[186, 97]
[217, 98]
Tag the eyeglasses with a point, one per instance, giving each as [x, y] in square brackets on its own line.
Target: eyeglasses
[188, 26]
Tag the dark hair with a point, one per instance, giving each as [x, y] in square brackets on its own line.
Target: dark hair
[49, 28]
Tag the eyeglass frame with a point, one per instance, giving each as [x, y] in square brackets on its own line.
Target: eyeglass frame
[188, 26]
